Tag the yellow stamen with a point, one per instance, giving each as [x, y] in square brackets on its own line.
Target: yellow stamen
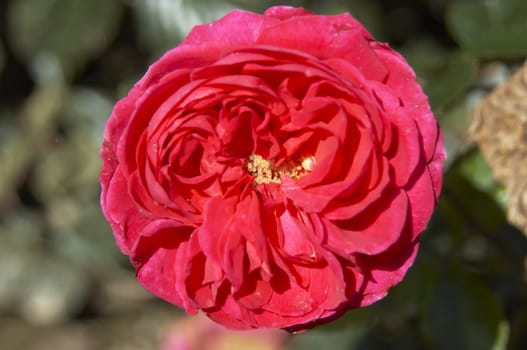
[308, 163]
[265, 171]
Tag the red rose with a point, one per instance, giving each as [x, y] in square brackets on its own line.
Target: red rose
[273, 170]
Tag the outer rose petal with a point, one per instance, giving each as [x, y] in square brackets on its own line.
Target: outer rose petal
[119, 209]
[325, 37]
[385, 225]
[422, 202]
[435, 166]
[273, 170]
[387, 274]
[402, 78]
[164, 283]
[235, 30]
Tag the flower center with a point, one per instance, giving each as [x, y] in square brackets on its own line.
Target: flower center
[265, 171]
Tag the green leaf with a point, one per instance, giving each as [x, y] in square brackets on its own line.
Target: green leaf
[318, 339]
[349, 329]
[450, 80]
[490, 28]
[416, 287]
[454, 121]
[2, 58]
[260, 6]
[476, 170]
[74, 31]
[164, 23]
[518, 329]
[21, 145]
[463, 314]
[470, 203]
[444, 75]
[503, 336]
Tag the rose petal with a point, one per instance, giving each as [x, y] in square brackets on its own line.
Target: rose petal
[327, 36]
[254, 294]
[286, 12]
[374, 230]
[435, 166]
[387, 273]
[163, 270]
[422, 200]
[121, 212]
[402, 79]
[296, 242]
[216, 214]
[408, 152]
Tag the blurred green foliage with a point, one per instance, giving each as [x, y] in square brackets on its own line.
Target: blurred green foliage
[63, 63]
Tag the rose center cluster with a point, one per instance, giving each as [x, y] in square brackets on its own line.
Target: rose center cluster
[252, 118]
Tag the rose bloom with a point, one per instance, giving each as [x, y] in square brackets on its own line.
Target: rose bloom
[273, 170]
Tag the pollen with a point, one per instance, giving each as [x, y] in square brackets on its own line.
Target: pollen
[265, 171]
[262, 169]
